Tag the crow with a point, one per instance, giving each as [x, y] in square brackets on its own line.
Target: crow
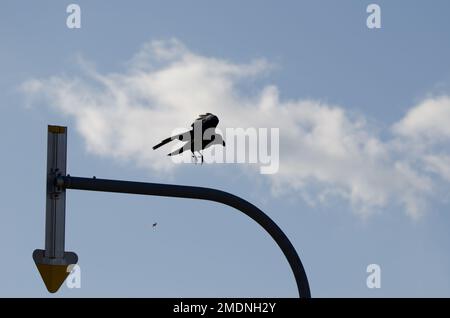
[207, 121]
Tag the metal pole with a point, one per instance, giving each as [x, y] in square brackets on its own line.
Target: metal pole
[56, 196]
[169, 190]
[53, 262]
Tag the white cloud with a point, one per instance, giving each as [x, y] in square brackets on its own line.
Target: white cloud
[439, 164]
[429, 120]
[324, 150]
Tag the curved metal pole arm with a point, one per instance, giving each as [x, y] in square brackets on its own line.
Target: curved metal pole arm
[179, 191]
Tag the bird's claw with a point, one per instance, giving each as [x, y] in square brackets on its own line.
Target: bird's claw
[196, 159]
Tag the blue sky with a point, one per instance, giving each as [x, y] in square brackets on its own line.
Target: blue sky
[385, 164]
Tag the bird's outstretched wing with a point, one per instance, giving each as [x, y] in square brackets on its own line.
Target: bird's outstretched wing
[186, 146]
[183, 137]
[207, 120]
[162, 143]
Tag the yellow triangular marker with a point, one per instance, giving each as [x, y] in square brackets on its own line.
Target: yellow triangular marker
[54, 271]
[53, 275]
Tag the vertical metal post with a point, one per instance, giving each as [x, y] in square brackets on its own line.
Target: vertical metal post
[56, 197]
[53, 262]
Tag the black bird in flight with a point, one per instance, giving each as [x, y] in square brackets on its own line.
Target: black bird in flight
[207, 121]
[155, 224]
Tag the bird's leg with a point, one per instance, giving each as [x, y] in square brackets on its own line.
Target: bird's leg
[194, 157]
[199, 156]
